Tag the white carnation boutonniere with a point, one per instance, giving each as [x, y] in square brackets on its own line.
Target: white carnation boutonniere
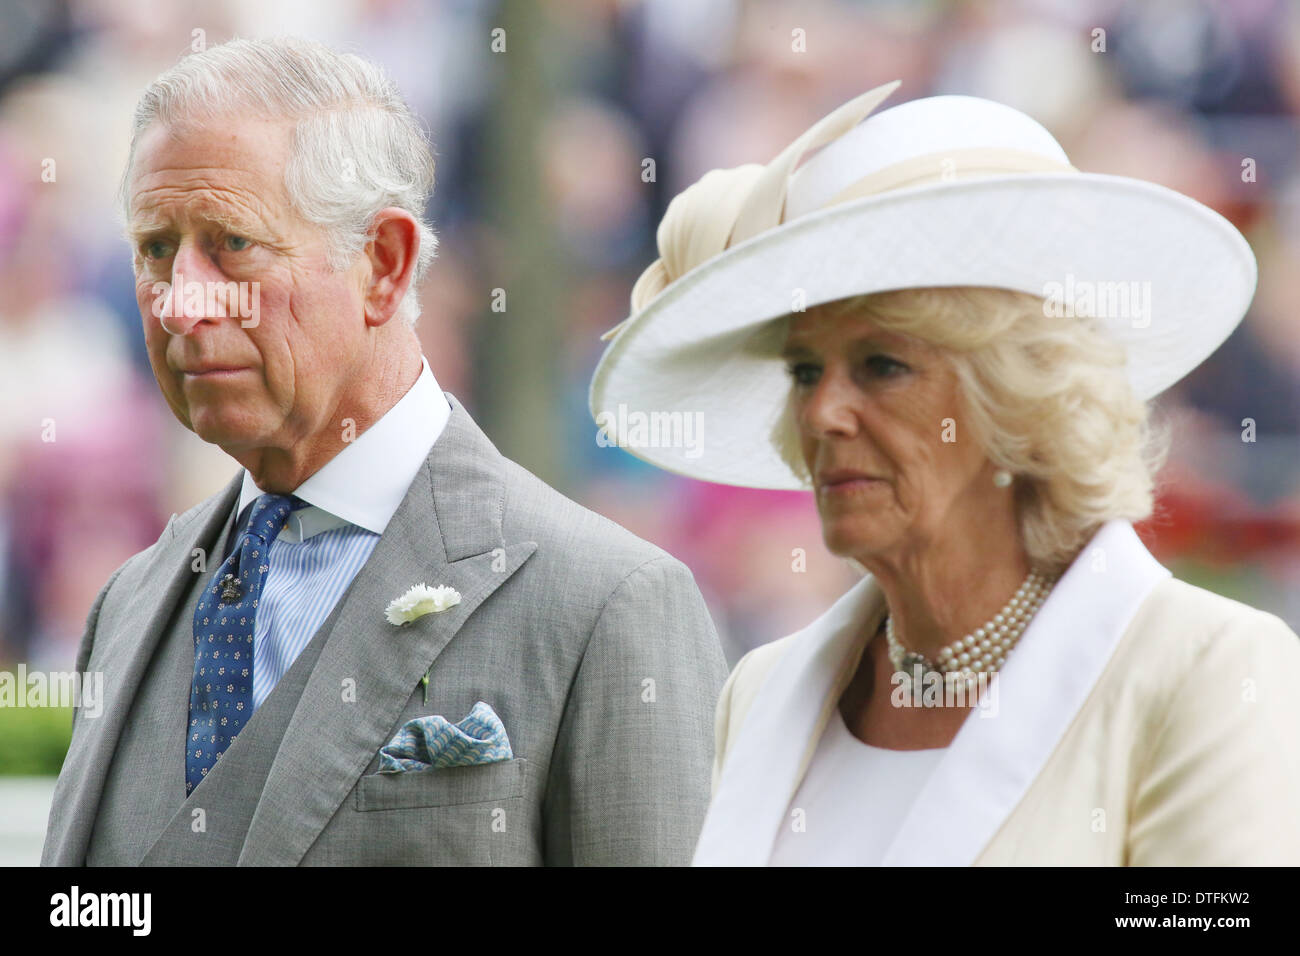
[419, 601]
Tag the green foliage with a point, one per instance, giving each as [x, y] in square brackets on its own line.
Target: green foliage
[33, 740]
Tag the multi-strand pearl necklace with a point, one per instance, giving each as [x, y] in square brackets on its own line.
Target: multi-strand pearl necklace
[985, 648]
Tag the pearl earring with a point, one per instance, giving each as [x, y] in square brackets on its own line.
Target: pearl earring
[1002, 478]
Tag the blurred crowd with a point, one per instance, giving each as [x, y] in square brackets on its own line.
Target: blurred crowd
[1180, 92]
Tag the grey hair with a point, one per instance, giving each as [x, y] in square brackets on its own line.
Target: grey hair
[356, 148]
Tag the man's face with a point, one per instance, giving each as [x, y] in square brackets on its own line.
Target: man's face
[209, 208]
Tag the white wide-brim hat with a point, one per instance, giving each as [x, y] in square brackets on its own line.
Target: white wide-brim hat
[942, 191]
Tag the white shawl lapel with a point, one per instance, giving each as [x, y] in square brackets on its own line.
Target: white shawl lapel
[994, 757]
[778, 737]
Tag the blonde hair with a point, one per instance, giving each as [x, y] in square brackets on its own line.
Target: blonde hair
[1047, 399]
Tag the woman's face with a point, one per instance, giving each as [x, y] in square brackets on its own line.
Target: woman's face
[882, 429]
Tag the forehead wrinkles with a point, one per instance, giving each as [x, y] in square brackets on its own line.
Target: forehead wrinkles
[221, 168]
[168, 203]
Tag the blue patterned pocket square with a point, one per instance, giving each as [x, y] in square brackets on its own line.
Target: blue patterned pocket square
[433, 742]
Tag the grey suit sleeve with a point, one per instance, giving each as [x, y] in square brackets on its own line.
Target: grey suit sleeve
[630, 776]
[87, 644]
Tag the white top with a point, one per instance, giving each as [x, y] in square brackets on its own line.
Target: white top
[852, 800]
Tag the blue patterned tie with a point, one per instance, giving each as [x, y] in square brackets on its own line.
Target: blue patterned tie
[221, 694]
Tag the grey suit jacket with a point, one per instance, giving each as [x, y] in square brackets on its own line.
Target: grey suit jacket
[593, 646]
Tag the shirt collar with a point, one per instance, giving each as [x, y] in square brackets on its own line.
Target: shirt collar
[365, 483]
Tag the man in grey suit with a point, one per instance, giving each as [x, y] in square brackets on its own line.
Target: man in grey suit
[382, 642]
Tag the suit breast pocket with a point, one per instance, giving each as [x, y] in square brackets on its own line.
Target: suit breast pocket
[447, 787]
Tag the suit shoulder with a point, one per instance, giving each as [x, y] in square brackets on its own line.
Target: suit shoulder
[127, 577]
[737, 697]
[753, 667]
[1179, 622]
[750, 674]
[536, 511]
[128, 572]
[1182, 613]
[1215, 765]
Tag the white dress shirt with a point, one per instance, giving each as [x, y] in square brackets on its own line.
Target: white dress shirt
[350, 501]
[852, 800]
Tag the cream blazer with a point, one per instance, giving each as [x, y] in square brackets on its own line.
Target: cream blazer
[1140, 721]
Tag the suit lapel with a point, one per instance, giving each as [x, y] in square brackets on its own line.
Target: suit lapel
[994, 757]
[123, 654]
[998, 753]
[775, 742]
[447, 531]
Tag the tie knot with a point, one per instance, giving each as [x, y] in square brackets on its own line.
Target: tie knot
[269, 512]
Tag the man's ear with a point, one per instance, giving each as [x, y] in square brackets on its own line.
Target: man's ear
[393, 249]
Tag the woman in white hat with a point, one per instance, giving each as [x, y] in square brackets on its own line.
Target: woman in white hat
[949, 335]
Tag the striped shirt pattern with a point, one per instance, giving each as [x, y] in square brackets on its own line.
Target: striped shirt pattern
[305, 581]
